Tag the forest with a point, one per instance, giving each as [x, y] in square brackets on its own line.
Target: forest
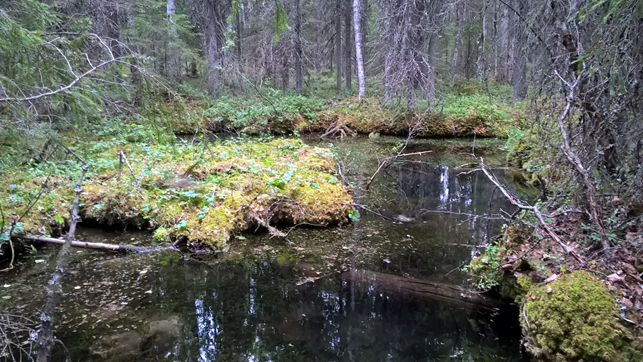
[259, 180]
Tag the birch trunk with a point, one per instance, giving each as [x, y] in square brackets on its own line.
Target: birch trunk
[358, 49]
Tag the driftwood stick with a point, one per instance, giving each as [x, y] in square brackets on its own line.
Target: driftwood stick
[86, 244]
[121, 154]
[533, 209]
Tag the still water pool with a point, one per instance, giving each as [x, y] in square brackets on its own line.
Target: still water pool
[321, 295]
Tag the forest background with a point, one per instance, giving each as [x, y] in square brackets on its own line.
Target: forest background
[561, 80]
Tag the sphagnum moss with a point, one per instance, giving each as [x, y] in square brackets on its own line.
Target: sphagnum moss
[205, 192]
[575, 319]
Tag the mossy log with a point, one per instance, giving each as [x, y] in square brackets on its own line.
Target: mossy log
[422, 288]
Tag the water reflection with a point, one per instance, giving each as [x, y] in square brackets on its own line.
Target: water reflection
[333, 319]
[255, 308]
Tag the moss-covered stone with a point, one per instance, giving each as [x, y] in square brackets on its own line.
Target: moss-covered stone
[575, 319]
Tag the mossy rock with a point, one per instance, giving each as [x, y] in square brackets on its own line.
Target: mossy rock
[575, 319]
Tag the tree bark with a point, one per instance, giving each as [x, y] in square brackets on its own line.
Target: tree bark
[456, 45]
[520, 61]
[347, 47]
[482, 46]
[214, 58]
[298, 50]
[338, 43]
[358, 49]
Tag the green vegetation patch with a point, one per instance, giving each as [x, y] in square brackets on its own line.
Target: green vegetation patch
[204, 192]
[457, 114]
[575, 319]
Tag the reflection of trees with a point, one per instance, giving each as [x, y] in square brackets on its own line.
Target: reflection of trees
[251, 313]
[451, 209]
[234, 311]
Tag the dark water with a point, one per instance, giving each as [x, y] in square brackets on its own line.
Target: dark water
[272, 300]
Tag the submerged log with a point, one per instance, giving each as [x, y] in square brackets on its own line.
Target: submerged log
[422, 288]
[88, 245]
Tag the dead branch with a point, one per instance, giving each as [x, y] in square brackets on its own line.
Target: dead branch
[573, 158]
[412, 131]
[533, 209]
[77, 77]
[122, 157]
[53, 289]
[388, 160]
[87, 244]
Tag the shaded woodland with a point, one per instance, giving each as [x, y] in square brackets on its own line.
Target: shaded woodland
[560, 80]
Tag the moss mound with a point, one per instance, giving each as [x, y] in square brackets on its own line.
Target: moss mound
[575, 319]
[459, 115]
[203, 192]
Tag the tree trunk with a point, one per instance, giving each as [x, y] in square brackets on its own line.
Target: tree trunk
[358, 49]
[298, 50]
[456, 45]
[285, 74]
[482, 46]
[237, 44]
[214, 58]
[363, 16]
[520, 62]
[347, 47]
[170, 10]
[338, 43]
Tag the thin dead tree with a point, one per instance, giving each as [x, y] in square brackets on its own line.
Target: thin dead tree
[53, 289]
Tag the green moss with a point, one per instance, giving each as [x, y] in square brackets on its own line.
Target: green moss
[484, 270]
[575, 319]
[201, 192]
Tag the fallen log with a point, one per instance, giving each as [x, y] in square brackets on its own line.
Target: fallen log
[88, 245]
[421, 288]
